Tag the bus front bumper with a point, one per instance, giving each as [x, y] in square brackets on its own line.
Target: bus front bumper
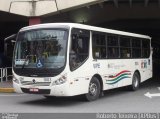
[56, 90]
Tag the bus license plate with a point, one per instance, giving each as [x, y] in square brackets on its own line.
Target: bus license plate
[33, 89]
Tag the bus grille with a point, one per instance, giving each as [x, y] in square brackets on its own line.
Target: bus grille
[36, 83]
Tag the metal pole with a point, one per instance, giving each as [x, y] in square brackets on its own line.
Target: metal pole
[1, 75]
[6, 74]
[3, 70]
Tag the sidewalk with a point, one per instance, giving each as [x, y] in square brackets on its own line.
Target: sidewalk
[6, 87]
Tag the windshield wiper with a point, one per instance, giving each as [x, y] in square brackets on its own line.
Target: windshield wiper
[25, 62]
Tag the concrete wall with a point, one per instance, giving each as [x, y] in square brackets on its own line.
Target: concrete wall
[41, 7]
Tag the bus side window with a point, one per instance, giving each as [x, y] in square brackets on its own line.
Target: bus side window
[136, 48]
[145, 48]
[113, 46]
[125, 47]
[125, 53]
[79, 50]
[96, 53]
[113, 52]
[99, 45]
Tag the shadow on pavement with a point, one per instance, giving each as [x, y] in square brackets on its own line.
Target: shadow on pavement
[57, 101]
[69, 101]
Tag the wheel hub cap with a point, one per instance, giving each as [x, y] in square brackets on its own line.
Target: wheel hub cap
[93, 89]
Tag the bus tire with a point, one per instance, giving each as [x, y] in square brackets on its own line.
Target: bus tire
[135, 82]
[94, 90]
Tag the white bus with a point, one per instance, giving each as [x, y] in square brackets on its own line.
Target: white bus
[68, 59]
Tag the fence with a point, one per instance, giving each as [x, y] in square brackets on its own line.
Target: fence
[5, 73]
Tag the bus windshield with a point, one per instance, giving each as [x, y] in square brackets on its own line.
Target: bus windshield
[42, 48]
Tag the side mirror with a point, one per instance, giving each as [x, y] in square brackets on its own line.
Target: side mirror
[11, 37]
[9, 40]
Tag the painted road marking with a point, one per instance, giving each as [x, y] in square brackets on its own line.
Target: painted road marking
[151, 95]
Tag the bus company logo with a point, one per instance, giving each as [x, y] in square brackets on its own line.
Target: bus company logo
[34, 81]
[97, 65]
[144, 64]
[115, 66]
[118, 77]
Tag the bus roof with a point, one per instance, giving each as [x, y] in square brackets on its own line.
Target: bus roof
[82, 26]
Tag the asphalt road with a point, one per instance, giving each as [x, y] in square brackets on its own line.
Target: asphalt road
[117, 100]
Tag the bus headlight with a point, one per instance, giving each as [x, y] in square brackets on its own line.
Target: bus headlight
[15, 79]
[61, 80]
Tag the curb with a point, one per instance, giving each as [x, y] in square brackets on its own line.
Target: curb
[7, 90]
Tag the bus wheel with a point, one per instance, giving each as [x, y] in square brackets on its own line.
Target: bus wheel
[135, 81]
[94, 90]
